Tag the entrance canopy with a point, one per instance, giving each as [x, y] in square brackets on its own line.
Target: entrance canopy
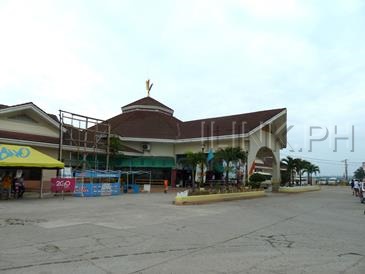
[24, 156]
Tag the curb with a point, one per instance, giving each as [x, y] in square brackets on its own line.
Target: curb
[211, 198]
[299, 189]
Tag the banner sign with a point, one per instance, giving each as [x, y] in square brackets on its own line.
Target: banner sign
[96, 189]
[63, 184]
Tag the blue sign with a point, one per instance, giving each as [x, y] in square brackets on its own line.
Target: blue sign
[96, 189]
[22, 152]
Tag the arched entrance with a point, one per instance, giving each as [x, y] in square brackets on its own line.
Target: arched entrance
[265, 160]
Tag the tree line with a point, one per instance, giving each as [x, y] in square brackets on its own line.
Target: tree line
[298, 166]
[228, 154]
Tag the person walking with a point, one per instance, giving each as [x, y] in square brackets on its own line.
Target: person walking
[362, 191]
[356, 188]
[352, 187]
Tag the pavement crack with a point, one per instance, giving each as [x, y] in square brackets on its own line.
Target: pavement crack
[50, 248]
[97, 258]
[348, 270]
[350, 253]
[225, 241]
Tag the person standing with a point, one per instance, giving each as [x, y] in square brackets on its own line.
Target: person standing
[19, 182]
[166, 185]
[7, 185]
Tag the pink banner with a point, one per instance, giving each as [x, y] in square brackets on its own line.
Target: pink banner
[63, 184]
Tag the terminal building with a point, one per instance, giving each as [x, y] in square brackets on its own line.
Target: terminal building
[152, 138]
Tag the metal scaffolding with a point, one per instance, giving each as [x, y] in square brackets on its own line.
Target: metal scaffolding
[82, 140]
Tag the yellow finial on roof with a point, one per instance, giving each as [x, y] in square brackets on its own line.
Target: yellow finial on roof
[148, 87]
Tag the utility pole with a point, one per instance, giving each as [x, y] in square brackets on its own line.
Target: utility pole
[346, 171]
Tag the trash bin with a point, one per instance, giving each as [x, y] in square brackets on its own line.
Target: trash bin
[135, 188]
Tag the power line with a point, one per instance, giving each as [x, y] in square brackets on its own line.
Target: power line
[322, 160]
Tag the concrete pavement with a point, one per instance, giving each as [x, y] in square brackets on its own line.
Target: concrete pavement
[314, 232]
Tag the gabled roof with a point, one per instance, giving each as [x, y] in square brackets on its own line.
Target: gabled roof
[49, 117]
[153, 122]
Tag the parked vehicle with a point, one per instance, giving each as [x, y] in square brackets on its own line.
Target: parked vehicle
[18, 188]
[267, 183]
[302, 182]
[332, 181]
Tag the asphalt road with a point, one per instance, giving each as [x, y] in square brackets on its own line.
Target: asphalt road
[315, 232]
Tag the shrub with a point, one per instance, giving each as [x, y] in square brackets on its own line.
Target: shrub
[256, 179]
[198, 192]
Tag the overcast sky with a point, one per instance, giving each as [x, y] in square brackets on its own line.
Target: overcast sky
[206, 58]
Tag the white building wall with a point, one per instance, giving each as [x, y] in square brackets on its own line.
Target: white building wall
[39, 128]
[182, 148]
[156, 149]
[160, 149]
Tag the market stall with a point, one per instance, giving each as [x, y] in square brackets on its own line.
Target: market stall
[13, 157]
[132, 183]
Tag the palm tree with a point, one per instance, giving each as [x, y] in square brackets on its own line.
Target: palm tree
[310, 169]
[193, 159]
[315, 170]
[359, 174]
[290, 167]
[299, 167]
[306, 166]
[230, 154]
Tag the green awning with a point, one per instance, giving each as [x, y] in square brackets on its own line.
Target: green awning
[148, 162]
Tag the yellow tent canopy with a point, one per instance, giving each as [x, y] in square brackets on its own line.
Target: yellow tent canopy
[24, 156]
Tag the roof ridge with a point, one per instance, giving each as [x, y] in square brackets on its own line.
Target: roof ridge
[147, 101]
[50, 115]
[235, 115]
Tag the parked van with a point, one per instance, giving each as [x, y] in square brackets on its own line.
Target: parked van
[332, 181]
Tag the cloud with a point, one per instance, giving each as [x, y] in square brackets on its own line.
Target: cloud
[276, 9]
[205, 58]
[39, 53]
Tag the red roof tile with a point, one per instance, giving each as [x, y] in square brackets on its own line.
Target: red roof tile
[28, 137]
[145, 124]
[140, 123]
[227, 125]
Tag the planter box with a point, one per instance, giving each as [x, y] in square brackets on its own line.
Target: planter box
[299, 189]
[210, 198]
